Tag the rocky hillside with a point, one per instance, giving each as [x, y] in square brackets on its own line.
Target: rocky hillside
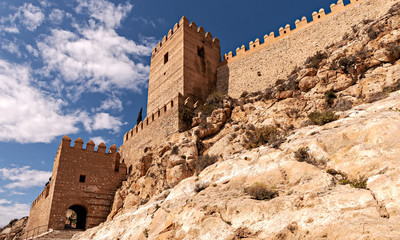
[14, 229]
[314, 157]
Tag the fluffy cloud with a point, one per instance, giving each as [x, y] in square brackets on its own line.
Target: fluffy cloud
[97, 61]
[105, 121]
[56, 16]
[9, 211]
[24, 177]
[105, 12]
[93, 57]
[28, 15]
[31, 115]
[10, 47]
[98, 140]
[112, 103]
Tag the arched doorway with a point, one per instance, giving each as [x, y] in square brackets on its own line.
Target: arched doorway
[76, 217]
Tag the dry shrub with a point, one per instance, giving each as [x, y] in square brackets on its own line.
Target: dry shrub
[360, 182]
[322, 118]
[302, 155]
[315, 60]
[205, 161]
[261, 191]
[265, 135]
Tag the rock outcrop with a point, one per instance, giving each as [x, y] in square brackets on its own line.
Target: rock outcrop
[14, 229]
[339, 180]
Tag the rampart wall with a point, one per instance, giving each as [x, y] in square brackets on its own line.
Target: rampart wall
[154, 128]
[103, 174]
[260, 65]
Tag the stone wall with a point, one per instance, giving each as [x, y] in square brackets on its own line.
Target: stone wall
[166, 79]
[184, 62]
[103, 175]
[150, 131]
[262, 64]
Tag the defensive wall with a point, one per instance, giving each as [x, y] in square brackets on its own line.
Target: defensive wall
[80, 177]
[184, 62]
[154, 128]
[183, 71]
[261, 64]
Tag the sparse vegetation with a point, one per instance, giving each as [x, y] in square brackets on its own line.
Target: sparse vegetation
[261, 191]
[394, 50]
[244, 94]
[346, 64]
[175, 150]
[314, 61]
[395, 9]
[330, 96]
[302, 155]
[360, 182]
[200, 186]
[215, 98]
[186, 115]
[322, 118]
[265, 135]
[205, 161]
[146, 232]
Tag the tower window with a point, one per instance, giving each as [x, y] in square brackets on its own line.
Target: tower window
[166, 58]
[200, 51]
[82, 178]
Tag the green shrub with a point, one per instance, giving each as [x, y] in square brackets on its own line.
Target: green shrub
[330, 96]
[261, 191]
[315, 60]
[186, 115]
[360, 182]
[302, 155]
[205, 161]
[322, 118]
[265, 135]
[215, 97]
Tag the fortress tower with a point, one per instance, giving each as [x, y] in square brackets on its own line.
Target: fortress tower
[83, 181]
[185, 62]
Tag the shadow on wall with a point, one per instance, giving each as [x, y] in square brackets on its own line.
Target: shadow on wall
[223, 79]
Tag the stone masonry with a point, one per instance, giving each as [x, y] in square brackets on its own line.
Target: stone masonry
[185, 68]
[81, 177]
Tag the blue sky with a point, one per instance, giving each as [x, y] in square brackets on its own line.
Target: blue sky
[80, 67]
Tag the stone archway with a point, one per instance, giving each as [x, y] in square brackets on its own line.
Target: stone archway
[76, 217]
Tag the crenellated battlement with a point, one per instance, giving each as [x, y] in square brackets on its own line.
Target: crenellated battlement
[184, 23]
[90, 146]
[159, 114]
[287, 30]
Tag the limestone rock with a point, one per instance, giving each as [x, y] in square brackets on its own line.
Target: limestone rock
[307, 83]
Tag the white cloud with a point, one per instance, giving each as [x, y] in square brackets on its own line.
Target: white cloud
[24, 177]
[93, 57]
[30, 115]
[16, 193]
[112, 103]
[9, 211]
[96, 61]
[56, 16]
[28, 15]
[98, 140]
[105, 12]
[105, 121]
[10, 47]
[32, 50]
